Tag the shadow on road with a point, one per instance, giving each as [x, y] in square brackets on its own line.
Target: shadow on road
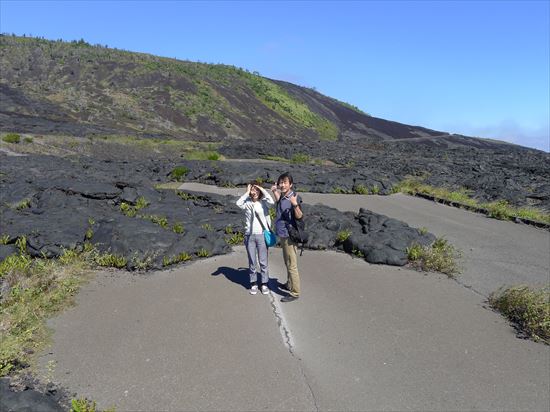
[240, 277]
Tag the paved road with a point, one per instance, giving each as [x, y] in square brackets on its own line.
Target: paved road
[362, 337]
[495, 253]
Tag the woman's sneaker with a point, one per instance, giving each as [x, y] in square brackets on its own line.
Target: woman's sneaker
[253, 289]
[264, 290]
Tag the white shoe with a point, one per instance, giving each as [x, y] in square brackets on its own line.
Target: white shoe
[264, 290]
[253, 289]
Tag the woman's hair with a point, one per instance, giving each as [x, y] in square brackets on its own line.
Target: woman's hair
[256, 183]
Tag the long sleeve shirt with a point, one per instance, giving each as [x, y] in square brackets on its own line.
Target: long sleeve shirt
[252, 225]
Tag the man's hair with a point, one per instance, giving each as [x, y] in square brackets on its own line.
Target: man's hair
[284, 176]
[257, 183]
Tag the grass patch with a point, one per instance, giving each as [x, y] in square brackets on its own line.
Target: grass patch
[343, 235]
[12, 138]
[277, 99]
[527, 308]
[178, 227]
[207, 226]
[203, 253]
[130, 210]
[38, 288]
[181, 257]
[500, 209]
[300, 158]
[236, 238]
[441, 256]
[179, 172]
[361, 189]
[203, 155]
[23, 204]
[186, 196]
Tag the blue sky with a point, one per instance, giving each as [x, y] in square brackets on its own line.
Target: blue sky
[471, 67]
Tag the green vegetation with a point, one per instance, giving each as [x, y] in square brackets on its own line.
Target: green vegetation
[207, 226]
[178, 173]
[181, 257]
[527, 307]
[24, 204]
[111, 260]
[203, 155]
[38, 288]
[339, 190]
[197, 100]
[300, 158]
[130, 210]
[236, 238]
[186, 196]
[177, 227]
[85, 405]
[500, 209]
[441, 256]
[343, 235]
[361, 189]
[203, 253]
[28, 140]
[162, 221]
[288, 107]
[4, 239]
[358, 253]
[12, 138]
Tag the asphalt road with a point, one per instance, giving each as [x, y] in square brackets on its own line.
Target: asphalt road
[361, 337]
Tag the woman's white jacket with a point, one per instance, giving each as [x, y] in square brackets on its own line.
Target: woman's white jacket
[252, 226]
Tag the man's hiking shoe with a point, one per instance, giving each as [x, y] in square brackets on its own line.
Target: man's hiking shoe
[264, 290]
[289, 298]
[283, 286]
[253, 289]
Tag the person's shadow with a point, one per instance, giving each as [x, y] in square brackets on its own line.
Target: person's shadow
[240, 277]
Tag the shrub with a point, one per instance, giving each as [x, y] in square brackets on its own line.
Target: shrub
[300, 158]
[12, 138]
[177, 227]
[28, 139]
[361, 189]
[178, 173]
[24, 204]
[375, 190]
[110, 260]
[207, 226]
[203, 155]
[441, 256]
[203, 253]
[162, 221]
[528, 308]
[181, 257]
[236, 238]
[499, 210]
[343, 235]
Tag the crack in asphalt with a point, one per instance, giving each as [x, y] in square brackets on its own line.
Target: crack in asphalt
[287, 340]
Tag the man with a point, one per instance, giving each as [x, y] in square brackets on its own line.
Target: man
[288, 209]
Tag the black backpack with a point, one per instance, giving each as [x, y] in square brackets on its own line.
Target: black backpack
[297, 230]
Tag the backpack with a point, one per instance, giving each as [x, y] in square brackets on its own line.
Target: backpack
[297, 233]
[297, 230]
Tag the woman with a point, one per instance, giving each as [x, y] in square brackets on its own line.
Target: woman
[255, 203]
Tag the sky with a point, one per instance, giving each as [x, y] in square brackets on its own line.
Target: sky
[478, 68]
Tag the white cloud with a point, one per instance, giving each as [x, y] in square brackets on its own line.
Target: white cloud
[509, 131]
